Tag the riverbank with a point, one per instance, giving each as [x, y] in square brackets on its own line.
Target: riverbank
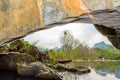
[99, 71]
[100, 60]
[26, 60]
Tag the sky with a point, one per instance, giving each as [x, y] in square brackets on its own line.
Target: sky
[50, 38]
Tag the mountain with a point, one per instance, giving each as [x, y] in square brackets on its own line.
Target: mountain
[56, 48]
[101, 45]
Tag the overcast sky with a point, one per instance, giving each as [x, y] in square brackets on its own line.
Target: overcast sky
[50, 38]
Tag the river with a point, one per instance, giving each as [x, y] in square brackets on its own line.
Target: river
[99, 71]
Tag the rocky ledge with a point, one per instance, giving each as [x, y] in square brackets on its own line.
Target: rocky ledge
[28, 61]
[70, 67]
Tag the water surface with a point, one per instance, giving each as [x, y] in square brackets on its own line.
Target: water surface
[99, 71]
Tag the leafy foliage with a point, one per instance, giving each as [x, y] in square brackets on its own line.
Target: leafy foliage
[82, 52]
[72, 49]
[110, 53]
[26, 43]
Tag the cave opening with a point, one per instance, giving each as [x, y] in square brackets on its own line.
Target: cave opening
[85, 33]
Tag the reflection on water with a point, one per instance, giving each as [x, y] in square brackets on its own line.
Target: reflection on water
[5, 75]
[90, 76]
[99, 71]
[8, 75]
[71, 76]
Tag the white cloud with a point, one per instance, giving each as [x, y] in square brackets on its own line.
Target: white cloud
[98, 38]
[50, 38]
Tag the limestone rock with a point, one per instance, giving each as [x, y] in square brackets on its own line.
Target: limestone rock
[37, 69]
[7, 63]
[21, 17]
[16, 46]
[9, 60]
[32, 50]
[4, 49]
[19, 47]
[44, 56]
[74, 69]
[112, 34]
[36, 53]
[20, 57]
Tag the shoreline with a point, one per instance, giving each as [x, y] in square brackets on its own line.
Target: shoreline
[96, 60]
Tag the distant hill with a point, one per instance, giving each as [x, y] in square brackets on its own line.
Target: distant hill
[101, 45]
[56, 48]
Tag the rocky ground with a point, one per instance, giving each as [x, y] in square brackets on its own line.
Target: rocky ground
[28, 60]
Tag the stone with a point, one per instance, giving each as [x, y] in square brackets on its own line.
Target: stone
[20, 57]
[22, 64]
[112, 34]
[36, 53]
[39, 70]
[16, 46]
[18, 18]
[73, 68]
[33, 51]
[8, 61]
[4, 49]
[44, 56]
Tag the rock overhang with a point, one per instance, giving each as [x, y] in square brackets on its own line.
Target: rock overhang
[19, 18]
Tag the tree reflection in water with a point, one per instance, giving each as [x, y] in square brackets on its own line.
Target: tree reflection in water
[99, 71]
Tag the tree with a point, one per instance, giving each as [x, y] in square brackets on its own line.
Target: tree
[67, 40]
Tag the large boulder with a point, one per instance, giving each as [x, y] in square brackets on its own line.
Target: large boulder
[32, 50]
[16, 46]
[74, 69]
[9, 60]
[36, 53]
[44, 56]
[20, 57]
[22, 63]
[22, 46]
[7, 63]
[39, 70]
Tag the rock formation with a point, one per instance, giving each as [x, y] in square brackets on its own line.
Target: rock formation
[38, 70]
[26, 61]
[21, 17]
